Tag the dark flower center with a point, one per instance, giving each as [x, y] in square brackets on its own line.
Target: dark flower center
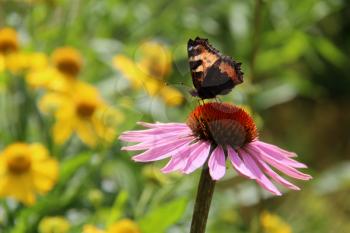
[85, 109]
[68, 67]
[222, 124]
[7, 47]
[19, 164]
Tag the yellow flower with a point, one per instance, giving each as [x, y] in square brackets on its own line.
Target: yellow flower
[48, 78]
[272, 223]
[2, 63]
[8, 41]
[19, 62]
[124, 226]
[54, 225]
[155, 61]
[26, 169]
[121, 226]
[150, 72]
[68, 61]
[83, 112]
[60, 75]
[92, 229]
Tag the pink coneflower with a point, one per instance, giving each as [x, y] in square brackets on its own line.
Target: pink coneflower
[213, 133]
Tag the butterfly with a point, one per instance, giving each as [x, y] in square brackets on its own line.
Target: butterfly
[212, 73]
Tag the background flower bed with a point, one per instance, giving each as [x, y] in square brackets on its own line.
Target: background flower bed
[294, 56]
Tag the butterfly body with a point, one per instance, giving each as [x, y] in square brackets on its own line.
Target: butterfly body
[212, 73]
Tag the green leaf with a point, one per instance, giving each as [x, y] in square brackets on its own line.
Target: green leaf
[117, 209]
[69, 166]
[330, 52]
[161, 218]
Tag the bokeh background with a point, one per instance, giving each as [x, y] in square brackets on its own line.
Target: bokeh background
[74, 74]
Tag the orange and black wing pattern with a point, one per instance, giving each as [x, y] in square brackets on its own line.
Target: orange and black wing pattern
[212, 73]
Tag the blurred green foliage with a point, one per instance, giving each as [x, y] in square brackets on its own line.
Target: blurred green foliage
[295, 56]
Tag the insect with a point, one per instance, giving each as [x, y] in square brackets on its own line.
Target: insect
[212, 73]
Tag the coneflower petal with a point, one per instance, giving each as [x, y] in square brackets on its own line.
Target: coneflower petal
[156, 141]
[179, 157]
[276, 154]
[267, 146]
[238, 164]
[290, 171]
[259, 176]
[197, 157]
[217, 163]
[140, 136]
[268, 170]
[161, 152]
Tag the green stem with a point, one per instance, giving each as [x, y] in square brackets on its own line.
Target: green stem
[205, 193]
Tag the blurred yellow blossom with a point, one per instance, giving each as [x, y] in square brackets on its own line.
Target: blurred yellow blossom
[83, 112]
[121, 226]
[54, 225]
[150, 72]
[124, 226]
[61, 74]
[68, 61]
[92, 229]
[2, 63]
[48, 78]
[8, 40]
[20, 61]
[272, 223]
[26, 169]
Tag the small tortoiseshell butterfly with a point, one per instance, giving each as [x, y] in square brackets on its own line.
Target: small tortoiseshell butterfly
[212, 73]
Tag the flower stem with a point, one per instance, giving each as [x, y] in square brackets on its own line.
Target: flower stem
[201, 207]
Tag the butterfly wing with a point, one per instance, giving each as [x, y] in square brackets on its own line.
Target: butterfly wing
[212, 73]
[201, 56]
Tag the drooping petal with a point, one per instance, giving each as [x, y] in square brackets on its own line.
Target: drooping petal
[274, 175]
[290, 171]
[179, 157]
[238, 164]
[277, 153]
[259, 176]
[146, 135]
[264, 145]
[197, 157]
[155, 141]
[156, 131]
[161, 151]
[217, 163]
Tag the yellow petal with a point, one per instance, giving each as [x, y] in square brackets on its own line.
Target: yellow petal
[62, 130]
[86, 133]
[52, 101]
[92, 229]
[18, 187]
[2, 63]
[152, 87]
[37, 61]
[130, 70]
[45, 175]
[156, 60]
[47, 78]
[171, 96]
[124, 226]
[16, 62]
